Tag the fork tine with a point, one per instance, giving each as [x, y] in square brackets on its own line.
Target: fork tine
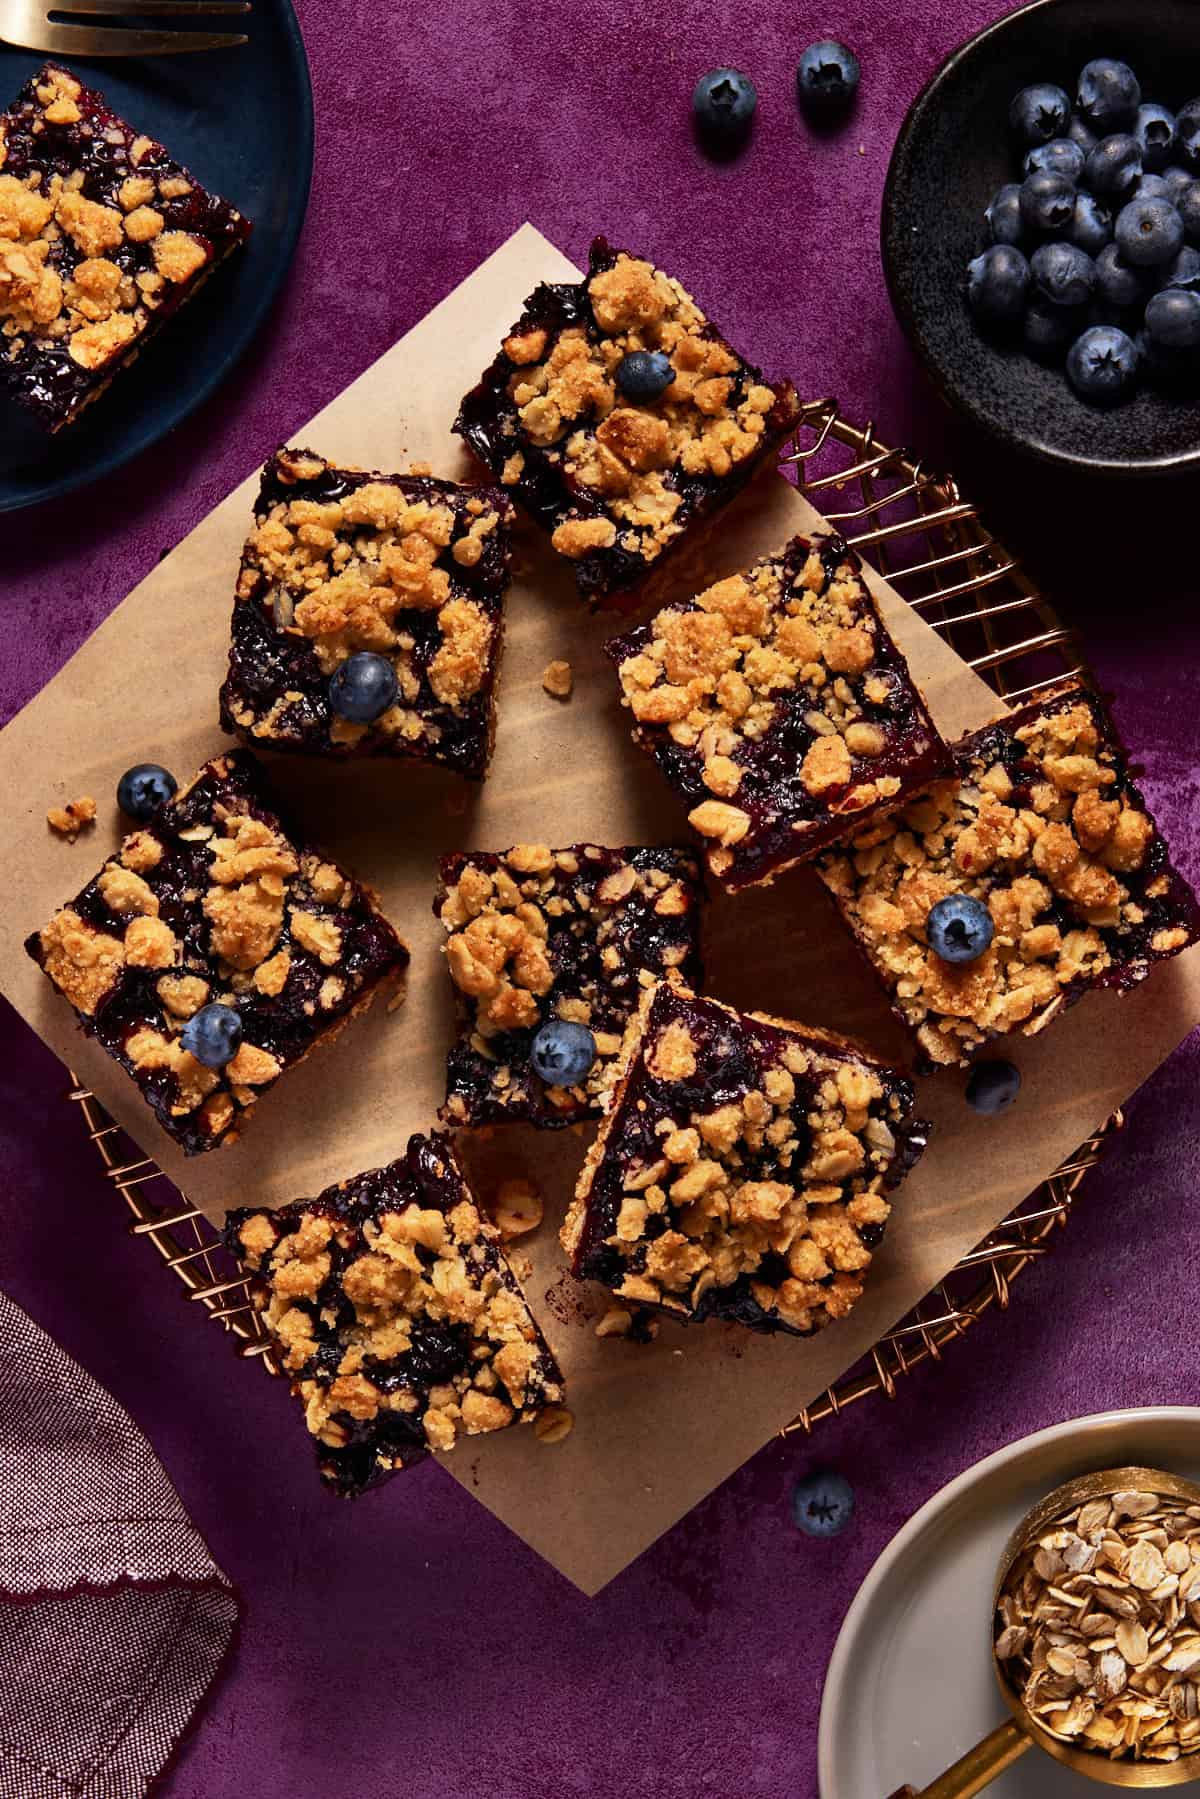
[136, 9]
[89, 40]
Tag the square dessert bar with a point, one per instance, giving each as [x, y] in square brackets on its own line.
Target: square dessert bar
[535, 934]
[216, 900]
[394, 1311]
[742, 1169]
[779, 709]
[620, 478]
[404, 566]
[103, 236]
[1046, 828]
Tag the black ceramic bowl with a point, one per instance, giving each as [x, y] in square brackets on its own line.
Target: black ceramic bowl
[953, 152]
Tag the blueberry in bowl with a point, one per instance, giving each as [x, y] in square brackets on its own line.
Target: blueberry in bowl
[1116, 84]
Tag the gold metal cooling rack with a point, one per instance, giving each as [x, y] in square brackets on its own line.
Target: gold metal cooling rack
[932, 545]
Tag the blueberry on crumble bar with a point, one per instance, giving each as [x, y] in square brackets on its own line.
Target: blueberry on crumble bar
[103, 237]
[215, 901]
[404, 568]
[1045, 826]
[779, 709]
[742, 1170]
[393, 1309]
[621, 477]
[537, 935]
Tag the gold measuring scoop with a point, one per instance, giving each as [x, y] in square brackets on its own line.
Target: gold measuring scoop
[1023, 1730]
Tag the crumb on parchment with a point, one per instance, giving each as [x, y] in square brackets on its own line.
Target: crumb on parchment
[72, 818]
[558, 678]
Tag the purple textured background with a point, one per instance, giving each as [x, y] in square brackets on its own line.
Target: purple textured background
[411, 1638]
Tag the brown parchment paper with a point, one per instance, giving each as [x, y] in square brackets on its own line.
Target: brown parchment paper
[658, 1425]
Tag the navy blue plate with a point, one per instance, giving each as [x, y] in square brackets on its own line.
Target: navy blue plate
[242, 122]
[951, 155]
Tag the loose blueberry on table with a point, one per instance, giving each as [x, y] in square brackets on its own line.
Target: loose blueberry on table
[394, 1311]
[823, 1503]
[992, 1087]
[144, 789]
[213, 950]
[827, 79]
[1087, 247]
[723, 105]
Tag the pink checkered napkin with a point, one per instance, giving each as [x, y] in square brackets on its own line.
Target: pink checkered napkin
[114, 1618]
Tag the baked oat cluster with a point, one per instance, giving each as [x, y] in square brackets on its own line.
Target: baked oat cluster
[393, 1309]
[216, 900]
[404, 566]
[743, 1167]
[619, 480]
[103, 236]
[779, 709]
[574, 934]
[1044, 826]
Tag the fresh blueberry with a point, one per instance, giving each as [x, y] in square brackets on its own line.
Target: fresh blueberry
[1091, 225]
[212, 1035]
[1063, 274]
[644, 374]
[1060, 156]
[1047, 202]
[1175, 371]
[1178, 179]
[1047, 330]
[827, 78]
[1152, 187]
[1039, 113]
[1154, 129]
[1148, 233]
[1173, 319]
[1188, 205]
[562, 1052]
[992, 1087]
[1003, 215]
[723, 105]
[143, 789]
[1183, 271]
[822, 1503]
[1114, 167]
[1117, 284]
[998, 284]
[1108, 95]
[363, 687]
[1102, 364]
[1187, 135]
[959, 928]
[1081, 133]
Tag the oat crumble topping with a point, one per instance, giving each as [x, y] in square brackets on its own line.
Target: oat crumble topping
[558, 678]
[742, 1170]
[616, 481]
[216, 899]
[779, 708]
[1046, 827]
[397, 1317]
[535, 933]
[67, 821]
[404, 566]
[93, 257]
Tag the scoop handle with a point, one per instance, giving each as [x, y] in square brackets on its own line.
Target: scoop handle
[977, 1768]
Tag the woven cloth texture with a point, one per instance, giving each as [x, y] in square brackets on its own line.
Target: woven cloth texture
[114, 1618]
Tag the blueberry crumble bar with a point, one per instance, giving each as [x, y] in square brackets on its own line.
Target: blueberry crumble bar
[621, 420]
[743, 1167]
[404, 569]
[779, 709]
[214, 924]
[393, 1309]
[1045, 832]
[103, 236]
[539, 939]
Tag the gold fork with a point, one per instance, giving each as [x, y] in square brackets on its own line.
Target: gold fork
[44, 25]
